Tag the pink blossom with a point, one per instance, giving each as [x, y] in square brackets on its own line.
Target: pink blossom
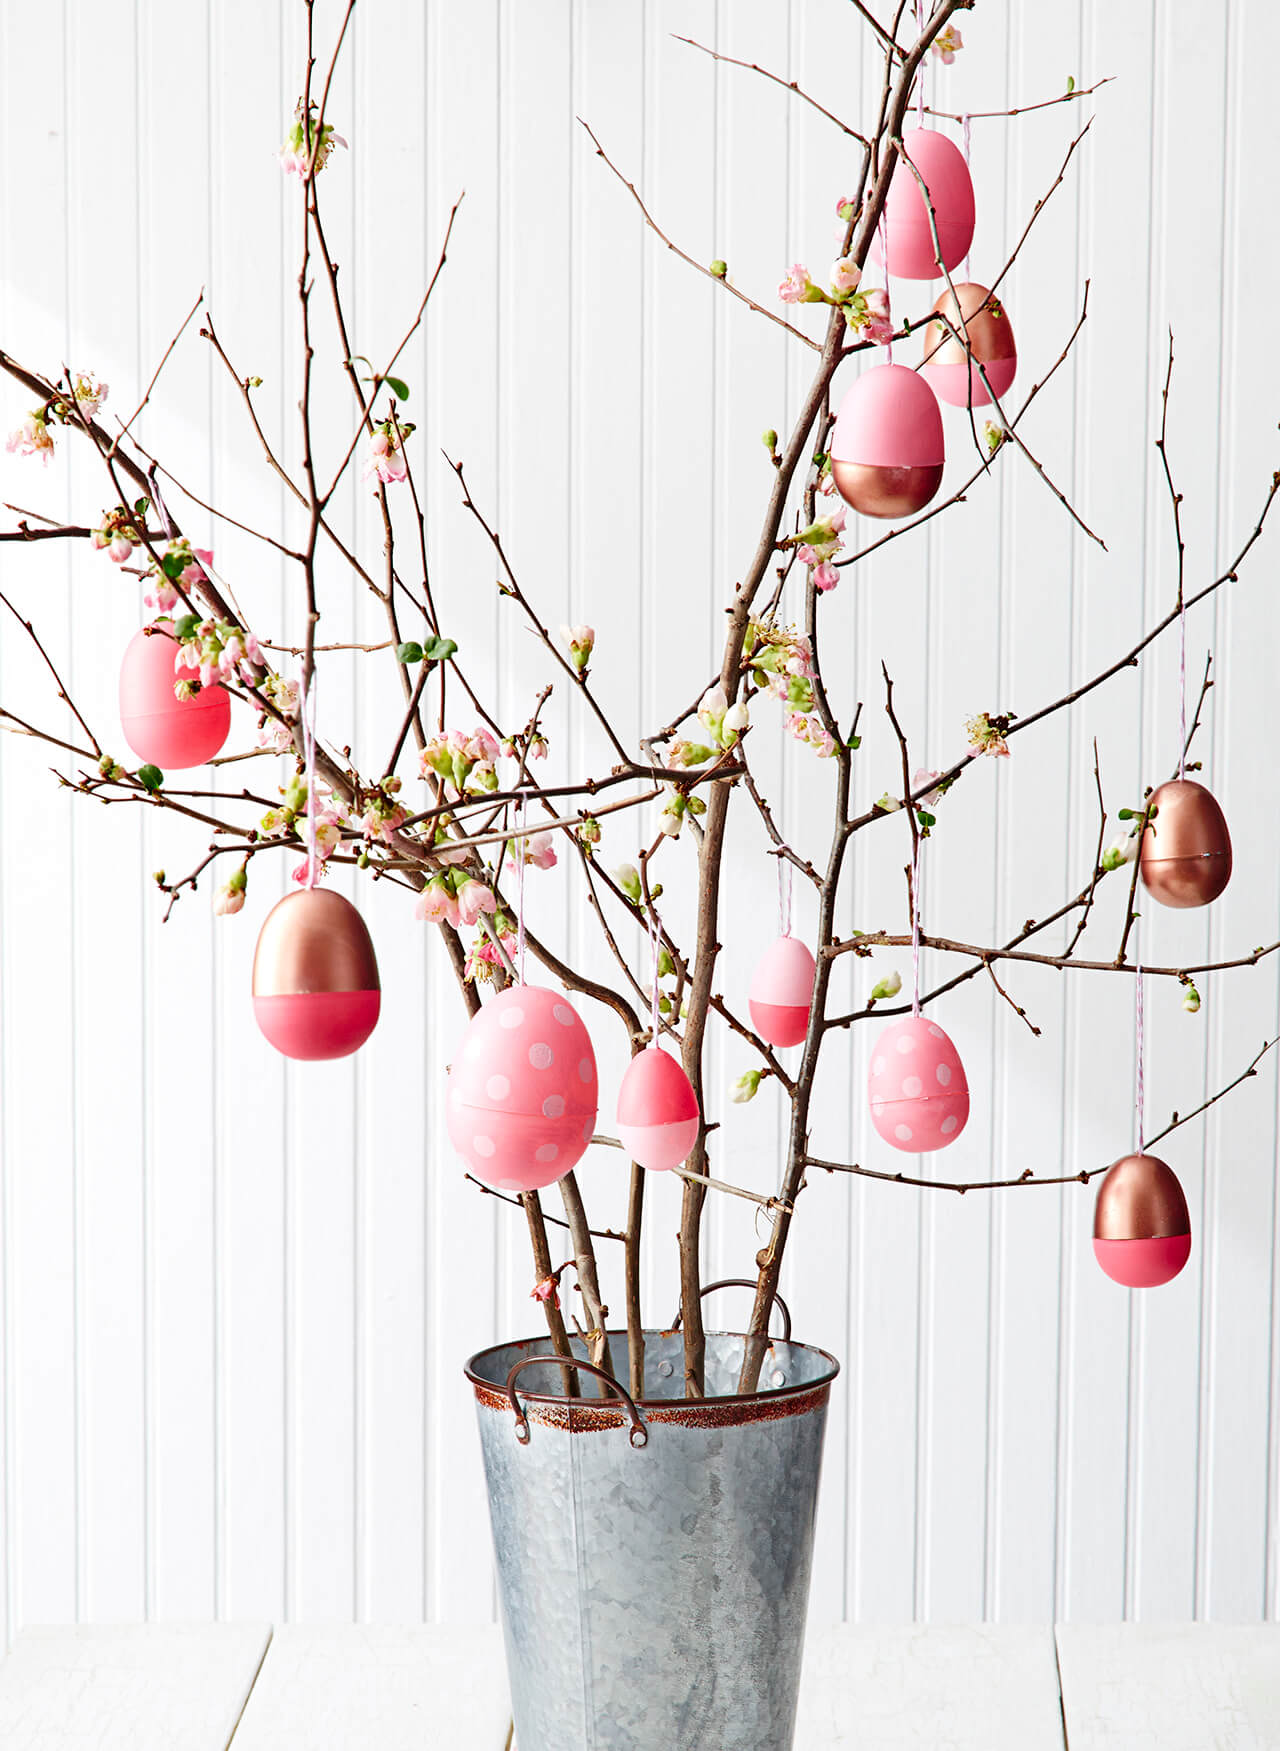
[302, 871]
[844, 209]
[545, 1291]
[32, 438]
[836, 520]
[385, 458]
[845, 275]
[807, 555]
[825, 576]
[536, 848]
[473, 899]
[436, 904]
[195, 573]
[482, 744]
[931, 798]
[878, 326]
[946, 44]
[797, 286]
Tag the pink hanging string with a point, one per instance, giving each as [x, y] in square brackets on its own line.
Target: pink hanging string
[1182, 684]
[884, 262]
[521, 862]
[654, 950]
[967, 126]
[920, 75]
[309, 756]
[1141, 1095]
[915, 929]
[784, 895]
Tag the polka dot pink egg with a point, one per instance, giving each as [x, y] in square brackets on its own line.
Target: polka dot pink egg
[917, 1089]
[523, 1090]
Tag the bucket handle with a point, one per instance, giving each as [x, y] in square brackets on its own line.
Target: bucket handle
[744, 1283]
[639, 1434]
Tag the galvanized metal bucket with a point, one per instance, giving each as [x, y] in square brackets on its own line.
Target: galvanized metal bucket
[653, 1555]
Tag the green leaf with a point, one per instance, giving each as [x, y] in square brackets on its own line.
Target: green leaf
[186, 627]
[854, 742]
[925, 818]
[398, 387]
[150, 778]
[409, 653]
[439, 650]
[1071, 83]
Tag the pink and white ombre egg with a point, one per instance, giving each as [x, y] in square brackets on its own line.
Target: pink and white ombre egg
[657, 1110]
[917, 1089]
[781, 992]
[523, 1090]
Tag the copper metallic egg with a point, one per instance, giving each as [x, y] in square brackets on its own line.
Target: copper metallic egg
[1185, 855]
[1141, 1228]
[316, 992]
[952, 376]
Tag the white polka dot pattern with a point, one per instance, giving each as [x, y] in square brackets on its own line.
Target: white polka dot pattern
[918, 1095]
[523, 1092]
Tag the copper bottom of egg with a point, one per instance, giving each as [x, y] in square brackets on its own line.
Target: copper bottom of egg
[1186, 881]
[875, 491]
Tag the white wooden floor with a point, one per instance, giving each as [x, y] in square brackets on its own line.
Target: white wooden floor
[157, 1687]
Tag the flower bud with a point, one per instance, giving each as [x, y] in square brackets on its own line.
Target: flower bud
[889, 986]
[719, 269]
[627, 877]
[1191, 999]
[745, 1088]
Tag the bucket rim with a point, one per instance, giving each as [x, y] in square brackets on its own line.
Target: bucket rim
[656, 1407]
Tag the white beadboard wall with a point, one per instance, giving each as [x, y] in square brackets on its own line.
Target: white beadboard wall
[237, 1294]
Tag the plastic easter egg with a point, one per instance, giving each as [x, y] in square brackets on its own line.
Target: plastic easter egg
[1185, 855]
[952, 374]
[887, 451]
[657, 1110]
[1141, 1228]
[781, 992]
[316, 992]
[523, 1090]
[917, 1090]
[908, 237]
[162, 729]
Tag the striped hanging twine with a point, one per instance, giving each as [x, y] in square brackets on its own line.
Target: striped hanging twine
[784, 895]
[309, 756]
[915, 929]
[521, 860]
[1140, 1098]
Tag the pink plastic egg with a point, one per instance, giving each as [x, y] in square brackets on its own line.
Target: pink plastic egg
[888, 451]
[909, 240]
[316, 992]
[162, 729]
[917, 1089]
[952, 372]
[523, 1090]
[781, 992]
[1141, 1225]
[657, 1110]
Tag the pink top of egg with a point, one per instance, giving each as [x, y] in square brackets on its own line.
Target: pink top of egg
[906, 218]
[655, 1091]
[784, 975]
[889, 419]
[527, 1052]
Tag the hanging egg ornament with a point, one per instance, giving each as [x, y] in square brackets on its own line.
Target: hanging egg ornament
[917, 1089]
[523, 1090]
[1185, 854]
[952, 374]
[162, 729]
[782, 991]
[908, 236]
[887, 451]
[1141, 1229]
[657, 1110]
[316, 992]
